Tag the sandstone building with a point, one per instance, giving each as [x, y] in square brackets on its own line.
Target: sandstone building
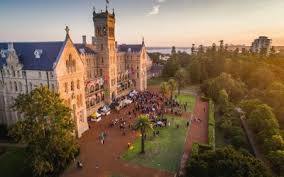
[86, 76]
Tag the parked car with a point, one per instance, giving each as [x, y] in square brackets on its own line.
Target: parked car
[96, 117]
[105, 110]
[127, 101]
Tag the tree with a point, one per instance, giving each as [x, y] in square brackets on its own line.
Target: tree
[174, 50]
[234, 88]
[143, 124]
[170, 68]
[277, 160]
[263, 121]
[164, 89]
[226, 162]
[172, 87]
[47, 129]
[223, 99]
[274, 143]
[180, 77]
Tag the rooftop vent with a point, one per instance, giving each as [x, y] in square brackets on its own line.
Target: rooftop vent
[38, 53]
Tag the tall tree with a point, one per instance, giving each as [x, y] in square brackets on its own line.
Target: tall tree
[180, 77]
[143, 124]
[172, 87]
[164, 89]
[47, 129]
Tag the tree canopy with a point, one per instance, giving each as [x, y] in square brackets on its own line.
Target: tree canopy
[226, 162]
[47, 129]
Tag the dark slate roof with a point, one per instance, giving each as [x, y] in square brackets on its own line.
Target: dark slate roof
[87, 48]
[25, 52]
[133, 47]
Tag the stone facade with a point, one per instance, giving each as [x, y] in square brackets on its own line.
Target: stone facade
[86, 76]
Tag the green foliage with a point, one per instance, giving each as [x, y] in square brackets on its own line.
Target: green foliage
[172, 86]
[230, 125]
[211, 125]
[181, 78]
[47, 129]
[164, 89]
[277, 160]
[225, 162]
[235, 89]
[170, 68]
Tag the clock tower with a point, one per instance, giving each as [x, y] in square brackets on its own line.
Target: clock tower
[104, 23]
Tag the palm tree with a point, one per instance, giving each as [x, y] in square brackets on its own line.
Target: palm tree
[143, 124]
[164, 88]
[172, 86]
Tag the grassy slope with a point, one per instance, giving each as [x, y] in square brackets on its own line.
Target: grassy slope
[162, 152]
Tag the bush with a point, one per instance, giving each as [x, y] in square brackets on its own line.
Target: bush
[211, 125]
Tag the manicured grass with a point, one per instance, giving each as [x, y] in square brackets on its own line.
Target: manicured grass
[163, 152]
[12, 163]
[183, 98]
[156, 81]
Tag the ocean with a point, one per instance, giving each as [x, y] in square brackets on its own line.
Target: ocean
[167, 50]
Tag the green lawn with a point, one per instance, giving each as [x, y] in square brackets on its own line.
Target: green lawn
[183, 98]
[163, 152]
[12, 163]
[156, 81]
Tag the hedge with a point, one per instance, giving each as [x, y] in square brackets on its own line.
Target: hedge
[211, 125]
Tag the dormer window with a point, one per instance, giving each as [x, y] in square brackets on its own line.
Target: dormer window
[3, 53]
[38, 53]
[82, 51]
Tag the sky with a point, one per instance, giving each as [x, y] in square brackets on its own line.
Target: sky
[160, 22]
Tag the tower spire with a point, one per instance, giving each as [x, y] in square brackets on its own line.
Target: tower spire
[143, 41]
[67, 31]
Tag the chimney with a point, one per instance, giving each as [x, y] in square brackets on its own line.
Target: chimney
[93, 40]
[84, 39]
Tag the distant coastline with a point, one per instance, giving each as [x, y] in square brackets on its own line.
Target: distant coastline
[168, 50]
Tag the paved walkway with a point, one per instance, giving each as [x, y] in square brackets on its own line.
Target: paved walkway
[198, 132]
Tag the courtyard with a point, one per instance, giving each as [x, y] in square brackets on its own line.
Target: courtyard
[114, 158]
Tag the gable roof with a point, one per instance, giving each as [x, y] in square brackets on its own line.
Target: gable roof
[86, 48]
[133, 47]
[25, 52]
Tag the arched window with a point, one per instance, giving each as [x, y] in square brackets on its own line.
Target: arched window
[97, 87]
[92, 89]
[16, 86]
[20, 86]
[31, 86]
[66, 87]
[72, 86]
[78, 84]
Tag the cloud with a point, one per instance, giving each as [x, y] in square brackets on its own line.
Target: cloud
[155, 10]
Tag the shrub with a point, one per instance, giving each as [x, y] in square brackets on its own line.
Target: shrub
[211, 125]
